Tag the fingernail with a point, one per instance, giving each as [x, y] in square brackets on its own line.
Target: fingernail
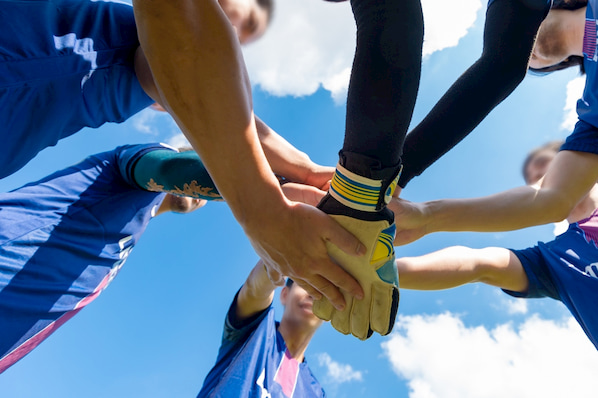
[340, 307]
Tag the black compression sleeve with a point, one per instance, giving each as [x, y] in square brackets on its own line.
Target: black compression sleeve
[509, 34]
[384, 78]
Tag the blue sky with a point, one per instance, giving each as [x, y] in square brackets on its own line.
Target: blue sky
[155, 331]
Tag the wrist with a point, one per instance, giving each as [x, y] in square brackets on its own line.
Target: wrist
[263, 207]
[432, 216]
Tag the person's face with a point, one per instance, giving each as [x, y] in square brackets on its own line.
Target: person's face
[550, 48]
[298, 306]
[182, 204]
[247, 17]
[537, 167]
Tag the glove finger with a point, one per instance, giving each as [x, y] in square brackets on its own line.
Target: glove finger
[323, 309]
[341, 320]
[385, 303]
[360, 317]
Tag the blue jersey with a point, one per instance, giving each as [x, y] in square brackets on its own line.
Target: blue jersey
[64, 65]
[253, 361]
[566, 269]
[585, 134]
[62, 240]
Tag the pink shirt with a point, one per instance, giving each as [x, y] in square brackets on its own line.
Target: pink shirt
[590, 227]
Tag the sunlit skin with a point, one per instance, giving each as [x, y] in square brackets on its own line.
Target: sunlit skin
[180, 204]
[538, 165]
[204, 68]
[248, 18]
[559, 37]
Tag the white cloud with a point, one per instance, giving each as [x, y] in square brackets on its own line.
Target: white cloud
[311, 44]
[178, 140]
[560, 227]
[574, 92]
[516, 306]
[446, 24]
[145, 121]
[338, 373]
[509, 304]
[441, 357]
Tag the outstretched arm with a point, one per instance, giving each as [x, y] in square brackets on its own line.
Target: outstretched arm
[509, 35]
[456, 266]
[256, 294]
[184, 174]
[196, 62]
[288, 161]
[570, 177]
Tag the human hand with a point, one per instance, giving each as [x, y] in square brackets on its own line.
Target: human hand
[292, 241]
[410, 220]
[319, 176]
[303, 193]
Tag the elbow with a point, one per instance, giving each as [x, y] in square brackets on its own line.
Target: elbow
[558, 207]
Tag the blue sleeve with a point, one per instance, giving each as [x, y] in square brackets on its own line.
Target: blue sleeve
[583, 139]
[237, 330]
[541, 283]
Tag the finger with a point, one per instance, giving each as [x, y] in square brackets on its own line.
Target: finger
[344, 240]
[329, 290]
[323, 309]
[404, 237]
[275, 277]
[360, 318]
[309, 289]
[341, 320]
[385, 303]
[334, 274]
[326, 186]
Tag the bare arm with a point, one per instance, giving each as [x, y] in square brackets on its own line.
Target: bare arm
[256, 294]
[288, 161]
[197, 66]
[568, 180]
[456, 266]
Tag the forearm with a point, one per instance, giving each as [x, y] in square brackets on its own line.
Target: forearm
[510, 210]
[256, 294]
[443, 269]
[456, 266]
[288, 161]
[509, 35]
[568, 180]
[201, 79]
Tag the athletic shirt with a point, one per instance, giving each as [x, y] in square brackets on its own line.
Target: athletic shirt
[590, 227]
[585, 135]
[64, 65]
[253, 361]
[63, 239]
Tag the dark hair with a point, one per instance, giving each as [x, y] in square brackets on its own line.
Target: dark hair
[553, 146]
[568, 4]
[573, 60]
[267, 5]
[289, 283]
